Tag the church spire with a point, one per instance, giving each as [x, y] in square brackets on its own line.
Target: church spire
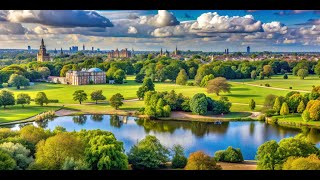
[42, 43]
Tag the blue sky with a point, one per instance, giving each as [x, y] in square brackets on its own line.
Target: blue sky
[205, 30]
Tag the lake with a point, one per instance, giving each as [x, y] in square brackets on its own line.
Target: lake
[193, 136]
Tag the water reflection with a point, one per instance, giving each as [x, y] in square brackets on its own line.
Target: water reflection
[193, 136]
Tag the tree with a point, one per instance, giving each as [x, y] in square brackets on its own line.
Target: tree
[178, 160]
[116, 100]
[18, 81]
[302, 73]
[205, 80]
[284, 109]
[33, 134]
[252, 104]
[314, 110]
[148, 153]
[147, 85]
[317, 69]
[104, 152]
[44, 71]
[159, 107]
[261, 76]
[182, 77]
[254, 75]
[267, 70]
[41, 98]
[80, 96]
[166, 111]
[52, 152]
[293, 102]
[71, 164]
[19, 153]
[269, 100]
[267, 155]
[6, 161]
[201, 161]
[198, 104]
[6, 98]
[272, 155]
[301, 107]
[139, 78]
[285, 76]
[119, 76]
[23, 99]
[229, 155]
[217, 85]
[277, 105]
[311, 162]
[97, 95]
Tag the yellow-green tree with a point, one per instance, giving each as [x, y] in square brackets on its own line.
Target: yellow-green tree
[182, 77]
[301, 107]
[277, 105]
[201, 161]
[284, 109]
[311, 162]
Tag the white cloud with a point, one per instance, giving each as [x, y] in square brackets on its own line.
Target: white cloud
[132, 30]
[289, 41]
[8, 28]
[275, 27]
[162, 19]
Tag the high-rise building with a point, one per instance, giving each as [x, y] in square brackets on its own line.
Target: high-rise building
[29, 48]
[161, 53]
[61, 52]
[248, 50]
[42, 54]
[55, 51]
[83, 48]
[92, 49]
[227, 51]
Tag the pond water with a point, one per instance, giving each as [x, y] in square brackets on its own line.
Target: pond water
[193, 136]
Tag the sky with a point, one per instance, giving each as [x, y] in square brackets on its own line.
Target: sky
[150, 30]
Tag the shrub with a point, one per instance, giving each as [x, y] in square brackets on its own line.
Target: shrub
[274, 120]
[311, 162]
[53, 100]
[190, 84]
[290, 87]
[45, 116]
[229, 155]
[285, 76]
[267, 85]
[305, 116]
[261, 117]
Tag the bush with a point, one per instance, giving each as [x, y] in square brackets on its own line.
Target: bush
[261, 117]
[5, 85]
[274, 120]
[229, 155]
[45, 116]
[285, 76]
[290, 87]
[179, 160]
[53, 100]
[267, 85]
[190, 84]
[311, 162]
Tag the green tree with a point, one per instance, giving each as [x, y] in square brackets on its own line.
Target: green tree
[284, 109]
[311, 162]
[317, 69]
[277, 105]
[116, 100]
[80, 96]
[71, 164]
[302, 73]
[159, 108]
[97, 95]
[6, 98]
[229, 155]
[205, 80]
[201, 161]
[147, 85]
[254, 75]
[198, 104]
[139, 78]
[261, 75]
[19, 153]
[119, 76]
[293, 102]
[33, 134]
[305, 116]
[182, 77]
[148, 153]
[217, 85]
[166, 111]
[285, 76]
[44, 71]
[267, 155]
[6, 161]
[301, 107]
[178, 160]
[52, 152]
[41, 98]
[23, 99]
[267, 71]
[252, 104]
[18, 81]
[104, 152]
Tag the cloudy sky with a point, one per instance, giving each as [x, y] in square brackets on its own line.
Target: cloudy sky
[205, 30]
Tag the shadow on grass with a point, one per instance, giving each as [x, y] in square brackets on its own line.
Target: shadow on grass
[242, 95]
[240, 89]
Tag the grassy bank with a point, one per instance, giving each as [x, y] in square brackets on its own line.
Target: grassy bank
[295, 120]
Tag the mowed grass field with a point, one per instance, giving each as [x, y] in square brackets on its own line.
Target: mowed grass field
[240, 96]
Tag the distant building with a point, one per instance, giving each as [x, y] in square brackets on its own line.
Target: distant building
[29, 48]
[74, 49]
[227, 51]
[92, 49]
[248, 50]
[83, 48]
[61, 52]
[176, 51]
[124, 53]
[91, 76]
[42, 55]
[55, 51]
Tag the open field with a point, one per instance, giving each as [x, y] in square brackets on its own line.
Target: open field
[240, 95]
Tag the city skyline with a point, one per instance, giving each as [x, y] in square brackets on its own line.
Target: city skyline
[203, 30]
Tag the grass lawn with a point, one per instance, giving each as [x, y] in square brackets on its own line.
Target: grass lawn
[240, 93]
[293, 81]
[296, 119]
[12, 113]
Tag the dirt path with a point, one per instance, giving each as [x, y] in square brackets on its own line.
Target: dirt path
[246, 165]
[64, 112]
[275, 88]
